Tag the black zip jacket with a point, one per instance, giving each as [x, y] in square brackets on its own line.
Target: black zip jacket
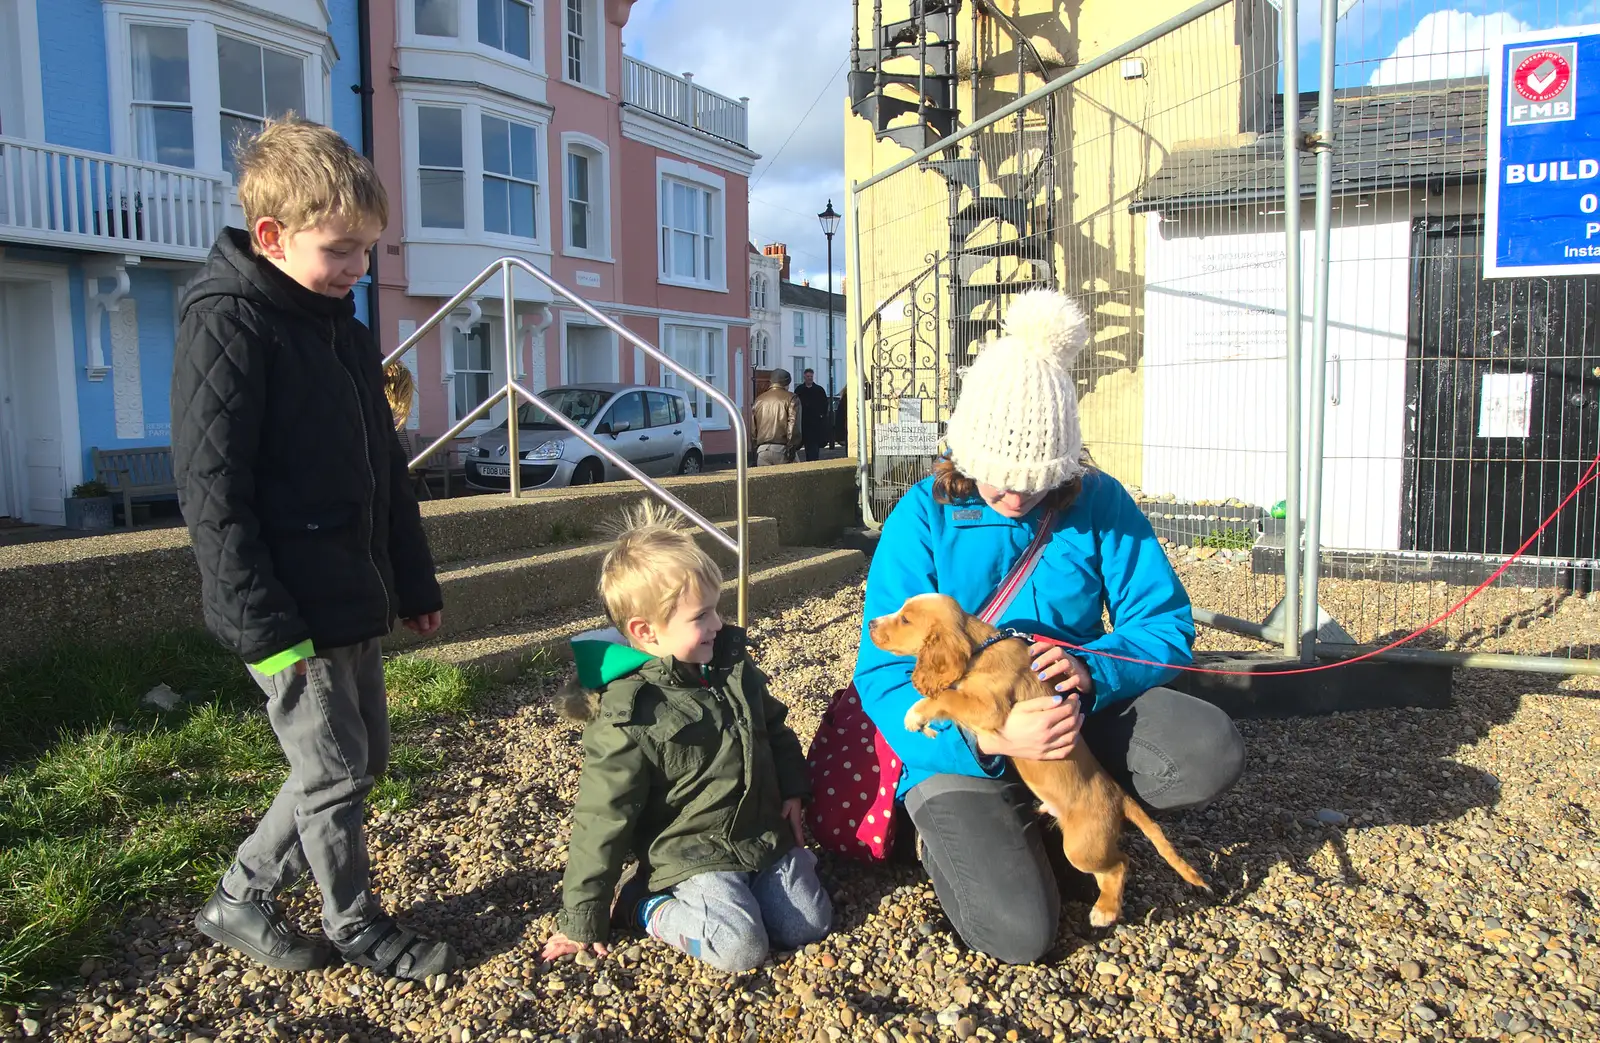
[289, 472]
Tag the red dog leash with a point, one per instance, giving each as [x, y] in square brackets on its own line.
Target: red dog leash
[1588, 476]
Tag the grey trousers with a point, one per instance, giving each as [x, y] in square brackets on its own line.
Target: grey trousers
[985, 848]
[333, 725]
[771, 453]
[731, 920]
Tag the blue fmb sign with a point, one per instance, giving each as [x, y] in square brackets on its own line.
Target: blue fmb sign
[1544, 154]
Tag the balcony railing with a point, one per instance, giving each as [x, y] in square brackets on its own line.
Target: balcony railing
[51, 195]
[680, 99]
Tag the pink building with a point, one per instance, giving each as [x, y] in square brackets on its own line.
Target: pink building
[522, 128]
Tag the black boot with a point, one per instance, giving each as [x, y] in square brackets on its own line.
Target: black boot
[260, 931]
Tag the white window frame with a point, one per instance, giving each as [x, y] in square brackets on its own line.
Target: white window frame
[533, 32]
[711, 366]
[466, 42]
[591, 35]
[799, 328]
[203, 22]
[758, 292]
[486, 175]
[760, 349]
[599, 248]
[675, 170]
[800, 366]
[472, 112]
[448, 330]
[239, 114]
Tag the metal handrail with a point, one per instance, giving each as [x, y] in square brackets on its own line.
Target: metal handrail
[512, 389]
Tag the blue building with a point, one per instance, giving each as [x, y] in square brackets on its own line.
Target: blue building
[117, 119]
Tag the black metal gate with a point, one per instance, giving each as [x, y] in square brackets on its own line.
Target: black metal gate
[1502, 401]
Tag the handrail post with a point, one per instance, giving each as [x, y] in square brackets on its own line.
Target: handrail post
[512, 406]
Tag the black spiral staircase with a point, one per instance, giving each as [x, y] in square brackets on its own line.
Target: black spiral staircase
[1001, 226]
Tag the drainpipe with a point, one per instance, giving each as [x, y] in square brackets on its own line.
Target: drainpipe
[364, 89]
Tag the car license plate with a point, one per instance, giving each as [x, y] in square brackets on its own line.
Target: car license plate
[495, 470]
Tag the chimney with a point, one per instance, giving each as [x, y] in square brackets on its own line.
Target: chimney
[780, 251]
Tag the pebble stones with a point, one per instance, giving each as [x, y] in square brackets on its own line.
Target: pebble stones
[1441, 907]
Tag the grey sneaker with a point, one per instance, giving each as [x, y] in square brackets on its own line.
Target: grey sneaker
[260, 930]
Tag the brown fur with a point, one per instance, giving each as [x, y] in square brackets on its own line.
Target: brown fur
[978, 692]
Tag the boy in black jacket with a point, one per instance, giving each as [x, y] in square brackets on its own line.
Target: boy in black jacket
[308, 537]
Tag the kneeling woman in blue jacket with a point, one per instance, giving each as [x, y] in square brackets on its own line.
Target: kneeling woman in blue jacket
[1016, 452]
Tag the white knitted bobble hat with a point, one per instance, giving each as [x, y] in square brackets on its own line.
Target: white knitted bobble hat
[1015, 426]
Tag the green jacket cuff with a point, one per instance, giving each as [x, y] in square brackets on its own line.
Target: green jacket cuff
[285, 659]
[589, 924]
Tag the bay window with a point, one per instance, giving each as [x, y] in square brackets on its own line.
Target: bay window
[507, 25]
[435, 17]
[257, 83]
[190, 80]
[510, 178]
[441, 168]
[163, 112]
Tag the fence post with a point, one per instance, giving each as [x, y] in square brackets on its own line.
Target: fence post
[1319, 334]
[1289, 22]
[858, 382]
[513, 451]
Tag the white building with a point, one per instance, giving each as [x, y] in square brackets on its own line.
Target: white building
[766, 275]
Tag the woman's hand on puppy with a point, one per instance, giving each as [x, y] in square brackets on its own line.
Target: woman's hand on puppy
[1055, 667]
[1044, 729]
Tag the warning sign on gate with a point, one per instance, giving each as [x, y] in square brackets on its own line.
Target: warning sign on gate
[1543, 197]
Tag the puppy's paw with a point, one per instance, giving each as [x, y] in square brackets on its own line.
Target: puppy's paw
[918, 718]
[1101, 918]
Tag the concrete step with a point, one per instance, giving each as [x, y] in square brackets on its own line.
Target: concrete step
[505, 649]
[488, 591]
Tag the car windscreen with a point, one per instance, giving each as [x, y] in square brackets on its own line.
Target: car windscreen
[580, 405]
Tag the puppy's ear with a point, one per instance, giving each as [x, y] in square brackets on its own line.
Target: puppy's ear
[942, 660]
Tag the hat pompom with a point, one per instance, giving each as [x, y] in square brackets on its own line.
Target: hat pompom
[1047, 325]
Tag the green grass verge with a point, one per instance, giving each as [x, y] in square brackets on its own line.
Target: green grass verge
[106, 802]
[1230, 539]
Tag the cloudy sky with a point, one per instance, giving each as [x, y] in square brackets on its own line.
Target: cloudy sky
[789, 58]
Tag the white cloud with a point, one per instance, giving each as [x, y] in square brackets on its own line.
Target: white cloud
[1445, 45]
[780, 56]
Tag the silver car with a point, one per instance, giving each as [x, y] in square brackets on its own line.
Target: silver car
[652, 428]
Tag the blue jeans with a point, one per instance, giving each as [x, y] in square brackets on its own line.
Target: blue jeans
[731, 920]
[984, 846]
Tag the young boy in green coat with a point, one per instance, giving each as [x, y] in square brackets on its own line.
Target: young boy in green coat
[689, 766]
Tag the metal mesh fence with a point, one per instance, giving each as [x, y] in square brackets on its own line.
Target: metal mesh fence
[1457, 411]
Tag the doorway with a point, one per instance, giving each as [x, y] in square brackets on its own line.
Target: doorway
[38, 416]
[1502, 401]
[591, 355]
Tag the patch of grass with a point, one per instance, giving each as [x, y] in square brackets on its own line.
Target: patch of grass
[107, 803]
[1230, 539]
[420, 689]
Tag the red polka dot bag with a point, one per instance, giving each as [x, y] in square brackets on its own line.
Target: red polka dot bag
[854, 773]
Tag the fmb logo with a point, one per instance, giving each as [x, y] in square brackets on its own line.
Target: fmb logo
[1543, 84]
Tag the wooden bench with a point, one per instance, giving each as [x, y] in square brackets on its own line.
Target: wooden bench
[145, 472]
[436, 466]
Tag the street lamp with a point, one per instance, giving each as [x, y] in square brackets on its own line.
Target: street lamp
[830, 224]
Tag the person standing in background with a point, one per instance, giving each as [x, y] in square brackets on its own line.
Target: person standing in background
[775, 432]
[813, 414]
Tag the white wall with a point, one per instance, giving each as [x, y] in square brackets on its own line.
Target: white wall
[1214, 370]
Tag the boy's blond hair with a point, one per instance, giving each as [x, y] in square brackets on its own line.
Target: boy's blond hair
[304, 174]
[654, 561]
[400, 390]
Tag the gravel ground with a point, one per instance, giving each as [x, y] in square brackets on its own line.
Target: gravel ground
[1399, 875]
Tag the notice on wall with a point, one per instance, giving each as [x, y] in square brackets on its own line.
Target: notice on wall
[906, 439]
[911, 410]
[1505, 405]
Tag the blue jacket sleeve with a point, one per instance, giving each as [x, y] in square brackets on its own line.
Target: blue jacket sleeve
[903, 565]
[1149, 609]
